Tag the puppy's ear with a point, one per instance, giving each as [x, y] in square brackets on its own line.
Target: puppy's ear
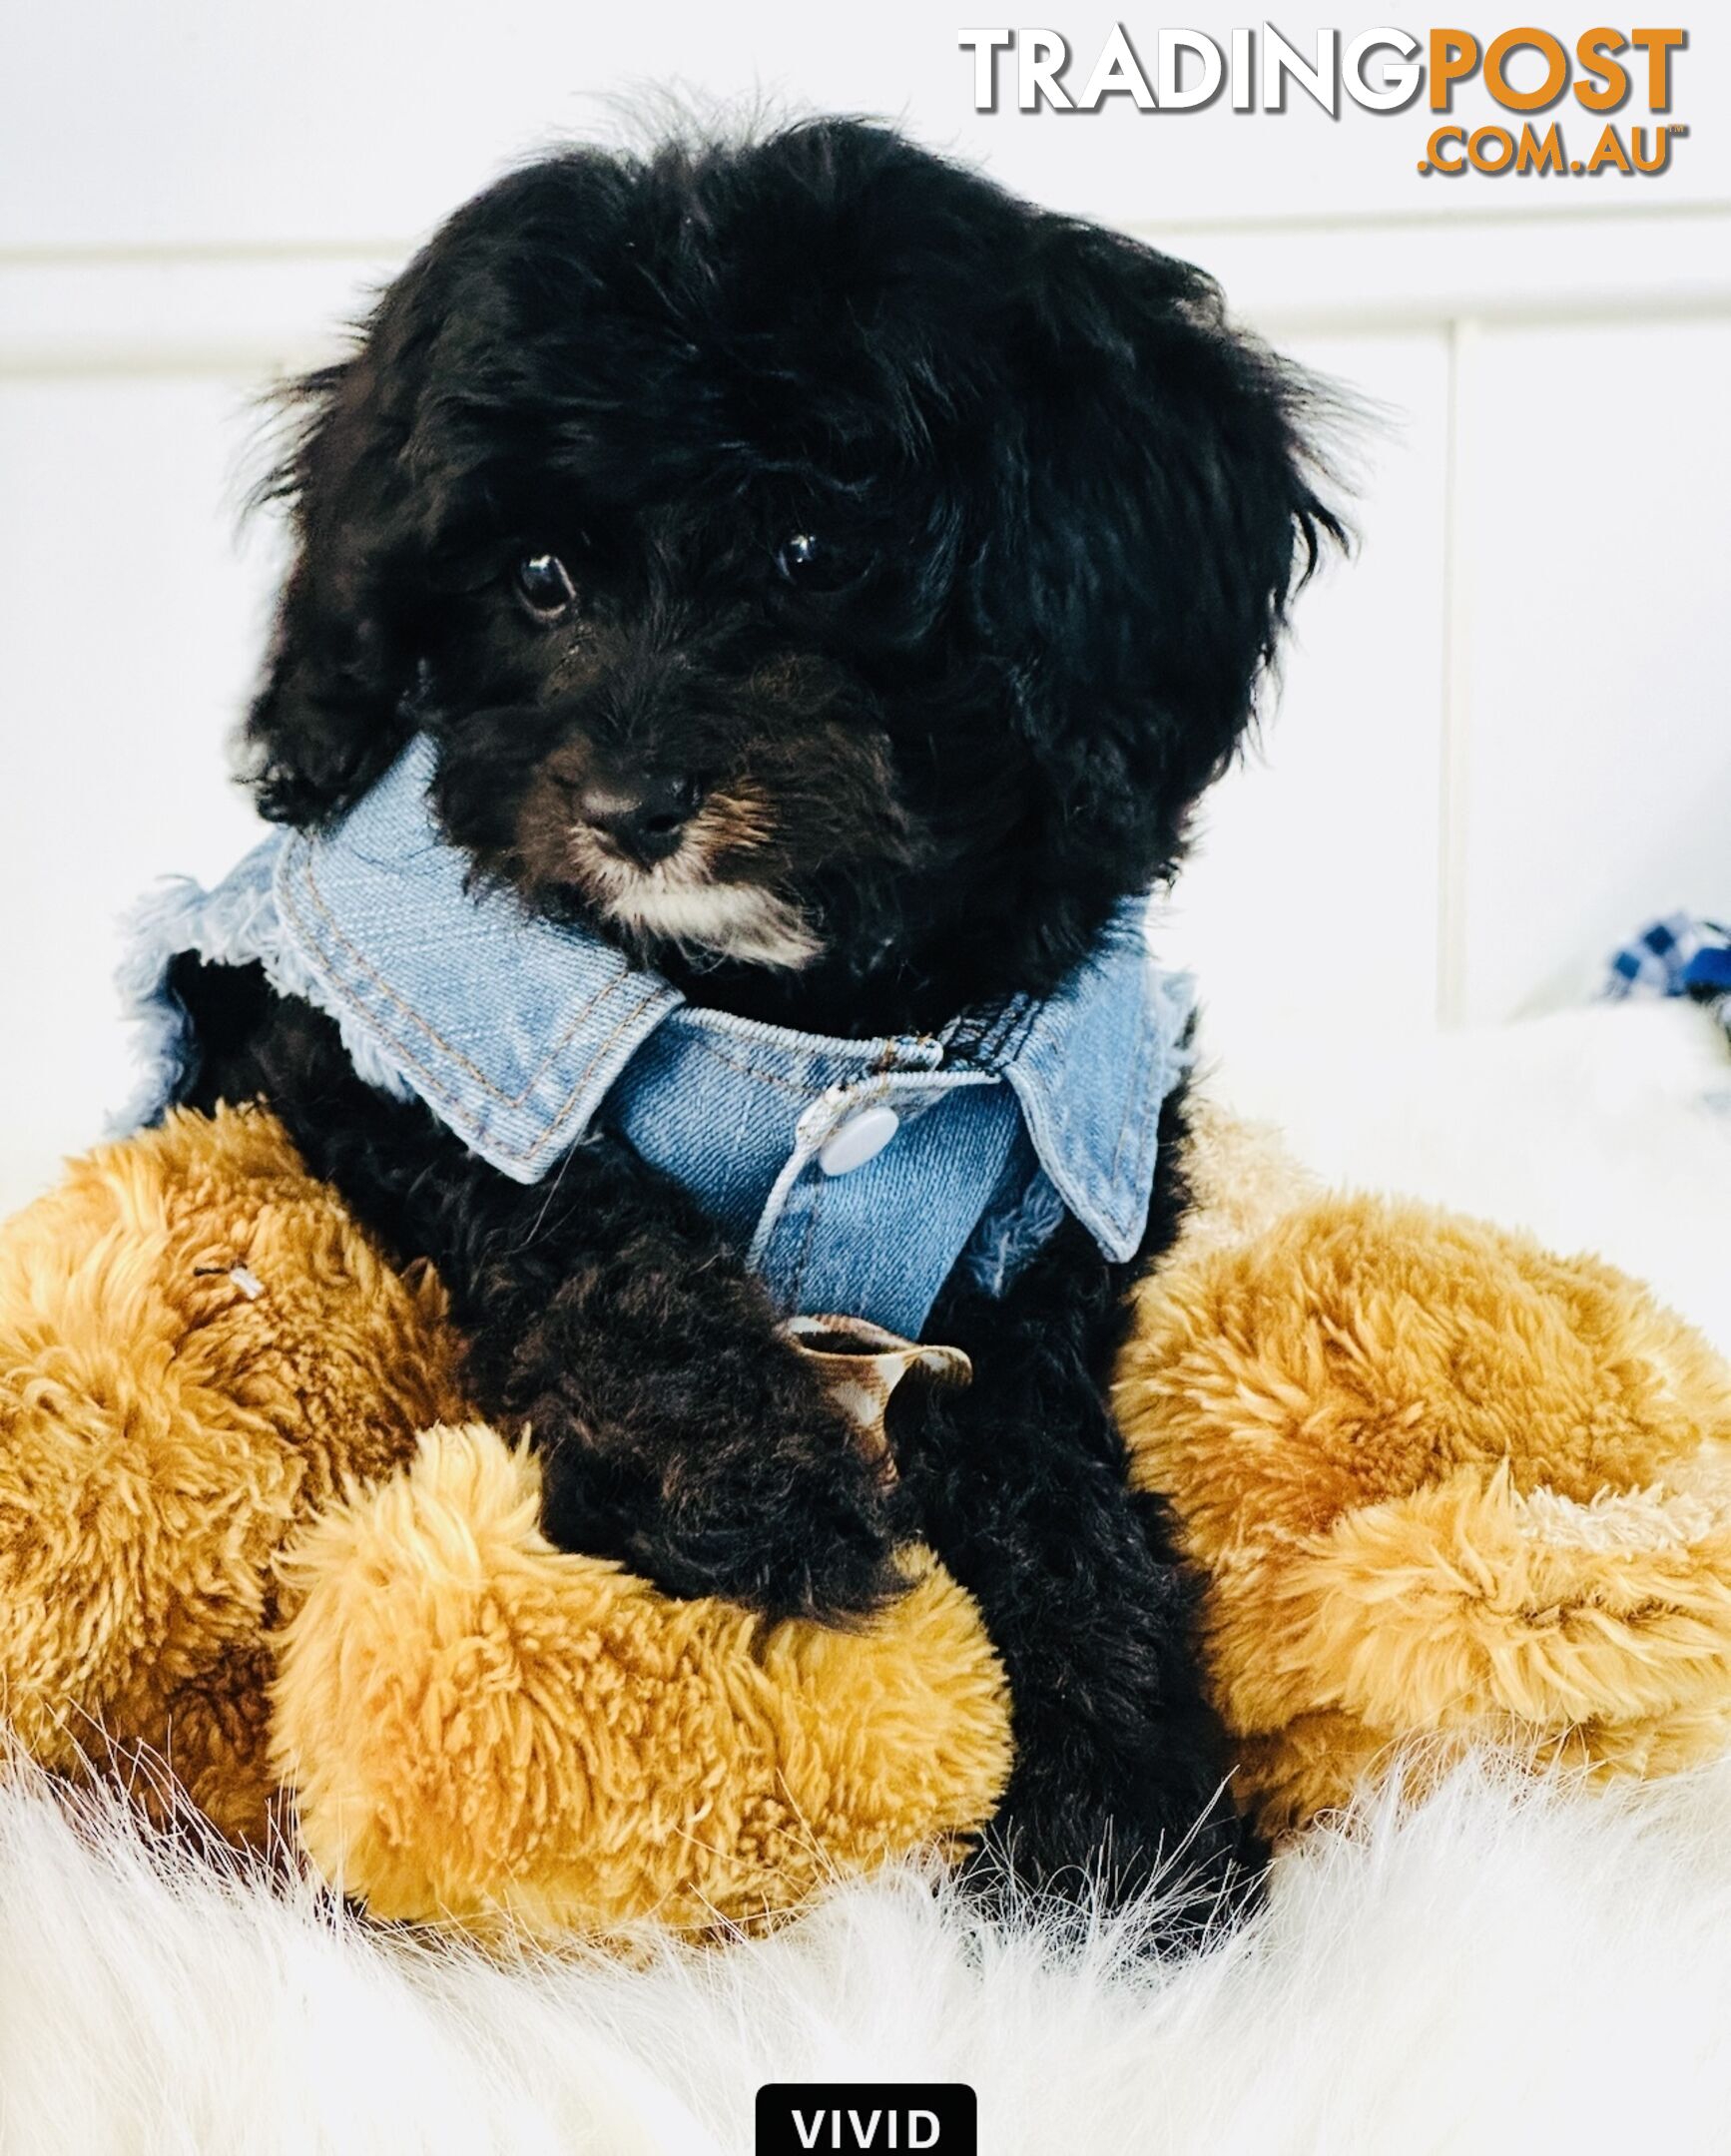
[1172, 503]
[329, 715]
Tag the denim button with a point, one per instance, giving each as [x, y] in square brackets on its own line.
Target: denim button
[860, 1138]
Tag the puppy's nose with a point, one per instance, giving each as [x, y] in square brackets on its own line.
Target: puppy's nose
[644, 819]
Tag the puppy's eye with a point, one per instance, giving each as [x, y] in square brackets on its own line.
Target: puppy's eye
[799, 556]
[816, 565]
[544, 585]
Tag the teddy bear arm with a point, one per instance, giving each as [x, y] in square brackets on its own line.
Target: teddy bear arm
[479, 1727]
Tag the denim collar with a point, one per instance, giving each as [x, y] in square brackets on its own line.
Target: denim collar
[523, 1035]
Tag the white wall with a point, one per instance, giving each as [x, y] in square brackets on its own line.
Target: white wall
[1502, 739]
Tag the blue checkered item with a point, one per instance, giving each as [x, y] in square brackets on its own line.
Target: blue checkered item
[1679, 955]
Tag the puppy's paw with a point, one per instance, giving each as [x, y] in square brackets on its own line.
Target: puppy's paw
[827, 1553]
[1183, 1872]
[802, 1528]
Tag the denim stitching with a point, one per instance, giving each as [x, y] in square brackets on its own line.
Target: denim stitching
[524, 1155]
[456, 1055]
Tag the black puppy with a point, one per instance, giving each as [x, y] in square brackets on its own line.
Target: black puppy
[835, 581]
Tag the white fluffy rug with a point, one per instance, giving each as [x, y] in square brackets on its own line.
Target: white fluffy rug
[1506, 1967]
[1504, 1970]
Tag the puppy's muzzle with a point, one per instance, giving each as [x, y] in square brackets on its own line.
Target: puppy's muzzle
[644, 819]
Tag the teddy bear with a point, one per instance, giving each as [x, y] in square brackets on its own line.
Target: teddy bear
[256, 1552]
[252, 1551]
[1446, 1489]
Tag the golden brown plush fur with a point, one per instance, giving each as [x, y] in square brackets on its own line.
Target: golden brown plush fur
[480, 1726]
[1444, 1484]
[163, 1430]
[207, 1378]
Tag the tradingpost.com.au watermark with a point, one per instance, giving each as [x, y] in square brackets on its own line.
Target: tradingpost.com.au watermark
[1526, 71]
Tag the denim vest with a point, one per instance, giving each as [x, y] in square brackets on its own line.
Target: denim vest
[855, 1175]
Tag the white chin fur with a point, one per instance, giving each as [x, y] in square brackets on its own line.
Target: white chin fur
[735, 920]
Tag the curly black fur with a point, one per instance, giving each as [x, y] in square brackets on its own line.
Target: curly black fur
[838, 580]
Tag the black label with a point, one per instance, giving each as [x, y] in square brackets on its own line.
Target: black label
[845, 2118]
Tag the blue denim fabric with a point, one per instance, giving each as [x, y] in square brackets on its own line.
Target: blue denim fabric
[523, 1036]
